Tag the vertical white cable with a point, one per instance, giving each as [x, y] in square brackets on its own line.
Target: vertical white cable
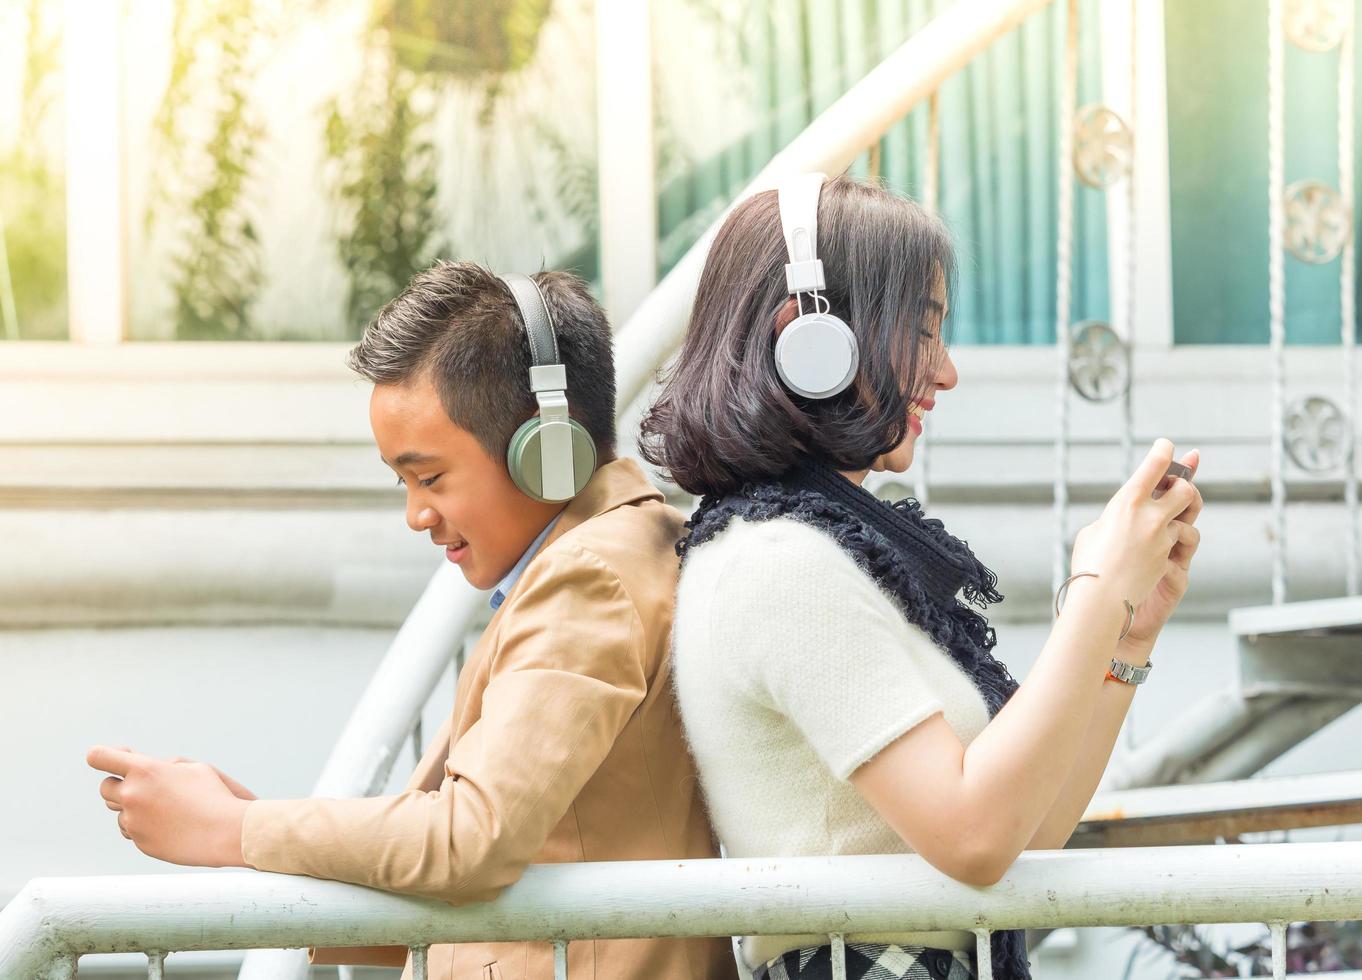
[931, 177]
[1132, 266]
[1068, 102]
[1347, 305]
[931, 193]
[1276, 286]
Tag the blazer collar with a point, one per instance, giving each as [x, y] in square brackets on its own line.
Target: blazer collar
[618, 483]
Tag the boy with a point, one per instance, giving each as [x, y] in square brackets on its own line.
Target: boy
[564, 743]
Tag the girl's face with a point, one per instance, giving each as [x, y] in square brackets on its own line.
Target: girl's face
[942, 377]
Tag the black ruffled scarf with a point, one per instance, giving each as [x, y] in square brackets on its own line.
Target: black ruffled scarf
[913, 558]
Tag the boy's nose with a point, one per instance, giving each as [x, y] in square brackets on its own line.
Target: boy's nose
[422, 519]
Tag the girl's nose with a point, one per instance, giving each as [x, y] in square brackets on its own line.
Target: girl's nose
[946, 375]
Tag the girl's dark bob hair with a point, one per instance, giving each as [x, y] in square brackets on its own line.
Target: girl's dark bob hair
[723, 417]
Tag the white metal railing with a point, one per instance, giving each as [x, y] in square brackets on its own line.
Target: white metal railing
[54, 921]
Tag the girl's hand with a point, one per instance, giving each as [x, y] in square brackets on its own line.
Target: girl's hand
[1154, 612]
[1131, 543]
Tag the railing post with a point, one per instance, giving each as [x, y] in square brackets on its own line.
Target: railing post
[156, 965]
[983, 953]
[1278, 950]
[418, 962]
[839, 956]
[560, 960]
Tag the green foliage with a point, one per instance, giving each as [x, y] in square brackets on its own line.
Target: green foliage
[383, 173]
[464, 38]
[33, 198]
[485, 40]
[202, 186]
[383, 164]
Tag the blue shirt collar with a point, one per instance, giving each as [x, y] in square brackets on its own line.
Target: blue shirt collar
[505, 586]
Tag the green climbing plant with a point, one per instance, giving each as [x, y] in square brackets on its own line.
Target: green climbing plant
[382, 171]
[382, 159]
[483, 40]
[202, 174]
[33, 195]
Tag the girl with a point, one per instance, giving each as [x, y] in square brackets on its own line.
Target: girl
[839, 698]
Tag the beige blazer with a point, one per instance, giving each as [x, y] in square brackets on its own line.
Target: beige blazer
[564, 745]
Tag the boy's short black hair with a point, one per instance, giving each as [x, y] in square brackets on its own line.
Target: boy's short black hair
[459, 322]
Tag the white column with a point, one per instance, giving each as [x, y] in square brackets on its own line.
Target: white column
[626, 166]
[96, 243]
[1153, 230]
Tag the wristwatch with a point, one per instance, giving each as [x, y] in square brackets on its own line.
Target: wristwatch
[1129, 673]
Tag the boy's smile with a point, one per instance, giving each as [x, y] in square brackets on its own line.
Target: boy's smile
[457, 491]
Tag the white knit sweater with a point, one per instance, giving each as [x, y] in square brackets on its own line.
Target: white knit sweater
[793, 669]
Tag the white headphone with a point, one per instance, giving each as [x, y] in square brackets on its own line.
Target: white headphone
[816, 355]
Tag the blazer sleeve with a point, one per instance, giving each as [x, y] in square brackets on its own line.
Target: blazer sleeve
[426, 776]
[567, 673]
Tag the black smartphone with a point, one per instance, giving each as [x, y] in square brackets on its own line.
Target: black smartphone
[1175, 471]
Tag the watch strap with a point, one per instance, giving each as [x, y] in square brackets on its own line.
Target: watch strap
[1128, 673]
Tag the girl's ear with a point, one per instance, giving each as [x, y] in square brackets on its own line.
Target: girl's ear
[786, 315]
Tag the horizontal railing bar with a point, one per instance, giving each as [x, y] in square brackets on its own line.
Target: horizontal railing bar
[849, 895]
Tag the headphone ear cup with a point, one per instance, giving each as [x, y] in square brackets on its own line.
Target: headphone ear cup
[523, 460]
[817, 355]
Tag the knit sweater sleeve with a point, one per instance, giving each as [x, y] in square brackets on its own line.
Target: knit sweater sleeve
[815, 639]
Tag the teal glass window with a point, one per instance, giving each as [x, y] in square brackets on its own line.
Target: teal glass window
[1218, 195]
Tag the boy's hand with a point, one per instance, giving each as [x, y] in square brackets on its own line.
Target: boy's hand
[177, 810]
[239, 791]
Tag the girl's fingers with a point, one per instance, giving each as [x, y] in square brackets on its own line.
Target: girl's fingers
[1189, 537]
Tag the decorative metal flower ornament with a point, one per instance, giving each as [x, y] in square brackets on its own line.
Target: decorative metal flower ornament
[1103, 146]
[1318, 222]
[1099, 361]
[1316, 25]
[1316, 434]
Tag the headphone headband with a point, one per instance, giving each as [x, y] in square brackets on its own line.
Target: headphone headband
[538, 320]
[798, 197]
[816, 354]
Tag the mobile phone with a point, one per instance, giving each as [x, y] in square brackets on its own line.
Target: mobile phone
[1175, 471]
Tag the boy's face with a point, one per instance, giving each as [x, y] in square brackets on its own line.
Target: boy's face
[456, 491]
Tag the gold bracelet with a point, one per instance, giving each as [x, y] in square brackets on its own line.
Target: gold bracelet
[1130, 610]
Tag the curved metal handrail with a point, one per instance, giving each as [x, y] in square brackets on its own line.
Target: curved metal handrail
[54, 920]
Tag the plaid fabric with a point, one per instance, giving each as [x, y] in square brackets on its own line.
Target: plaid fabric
[870, 961]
